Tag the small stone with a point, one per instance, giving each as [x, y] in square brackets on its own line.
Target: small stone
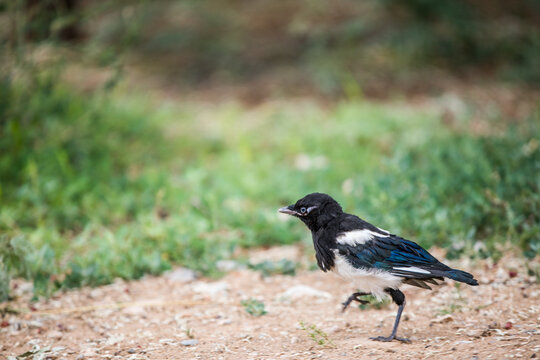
[189, 342]
[96, 294]
[55, 334]
[131, 351]
[443, 319]
[303, 291]
[508, 325]
[294, 340]
[181, 275]
[227, 265]
[167, 341]
[211, 288]
[34, 324]
[135, 310]
[88, 352]
[476, 333]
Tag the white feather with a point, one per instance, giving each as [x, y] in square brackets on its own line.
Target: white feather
[357, 237]
[366, 280]
[384, 231]
[413, 269]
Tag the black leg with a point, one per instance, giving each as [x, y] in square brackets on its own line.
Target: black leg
[354, 297]
[399, 299]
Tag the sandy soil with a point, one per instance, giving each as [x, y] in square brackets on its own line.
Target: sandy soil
[158, 317]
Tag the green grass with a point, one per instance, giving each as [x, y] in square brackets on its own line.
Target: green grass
[254, 307]
[94, 187]
[317, 335]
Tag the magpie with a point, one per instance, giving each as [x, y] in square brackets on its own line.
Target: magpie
[374, 260]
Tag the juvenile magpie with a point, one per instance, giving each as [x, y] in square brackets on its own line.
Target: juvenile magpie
[376, 261]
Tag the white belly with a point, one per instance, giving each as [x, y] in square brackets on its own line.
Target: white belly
[370, 281]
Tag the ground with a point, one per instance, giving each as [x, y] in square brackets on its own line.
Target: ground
[177, 317]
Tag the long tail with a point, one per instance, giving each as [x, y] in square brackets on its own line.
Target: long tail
[461, 276]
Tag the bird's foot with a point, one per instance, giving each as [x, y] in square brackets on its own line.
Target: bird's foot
[348, 302]
[353, 297]
[390, 338]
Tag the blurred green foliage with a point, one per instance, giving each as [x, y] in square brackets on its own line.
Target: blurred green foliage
[329, 46]
[254, 307]
[97, 187]
[327, 42]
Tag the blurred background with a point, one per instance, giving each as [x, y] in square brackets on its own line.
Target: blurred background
[140, 135]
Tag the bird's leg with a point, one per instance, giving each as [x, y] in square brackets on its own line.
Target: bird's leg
[399, 299]
[354, 297]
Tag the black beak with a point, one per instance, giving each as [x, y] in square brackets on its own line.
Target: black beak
[288, 210]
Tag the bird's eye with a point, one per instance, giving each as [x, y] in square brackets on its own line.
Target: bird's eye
[303, 210]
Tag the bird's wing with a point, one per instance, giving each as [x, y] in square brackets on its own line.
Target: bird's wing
[368, 249]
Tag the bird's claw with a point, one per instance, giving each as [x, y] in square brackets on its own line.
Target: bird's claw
[347, 303]
[354, 297]
[390, 338]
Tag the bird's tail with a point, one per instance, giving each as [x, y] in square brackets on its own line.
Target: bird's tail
[461, 276]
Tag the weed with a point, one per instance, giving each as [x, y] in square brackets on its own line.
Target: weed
[534, 271]
[254, 307]
[317, 335]
[450, 309]
[189, 333]
[35, 353]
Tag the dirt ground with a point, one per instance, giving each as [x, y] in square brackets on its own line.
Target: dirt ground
[177, 317]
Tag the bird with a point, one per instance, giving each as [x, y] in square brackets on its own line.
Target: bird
[376, 261]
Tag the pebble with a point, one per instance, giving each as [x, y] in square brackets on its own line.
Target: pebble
[443, 319]
[227, 265]
[212, 288]
[55, 334]
[167, 341]
[189, 342]
[96, 294]
[476, 333]
[304, 291]
[35, 323]
[225, 322]
[181, 275]
[131, 351]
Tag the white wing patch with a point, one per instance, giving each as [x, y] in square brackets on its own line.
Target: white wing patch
[412, 269]
[357, 237]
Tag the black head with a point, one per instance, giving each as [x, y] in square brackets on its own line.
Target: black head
[315, 210]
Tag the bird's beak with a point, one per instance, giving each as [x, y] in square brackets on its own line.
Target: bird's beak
[287, 210]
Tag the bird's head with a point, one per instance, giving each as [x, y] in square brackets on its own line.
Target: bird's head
[315, 210]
